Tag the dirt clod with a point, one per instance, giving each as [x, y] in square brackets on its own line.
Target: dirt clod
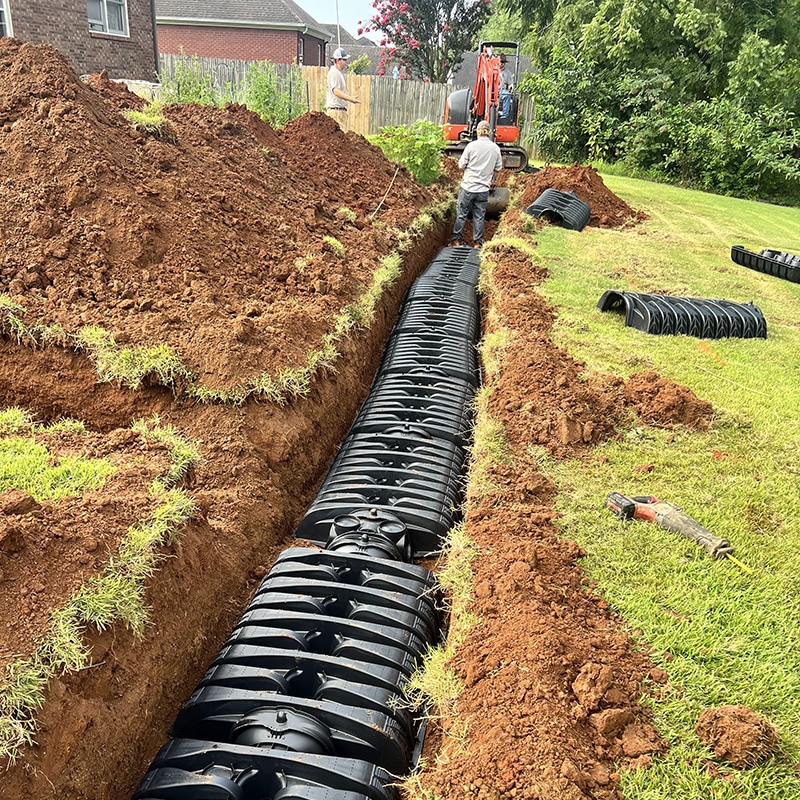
[737, 735]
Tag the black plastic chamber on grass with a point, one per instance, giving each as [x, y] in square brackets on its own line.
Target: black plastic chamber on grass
[691, 316]
[561, 208]
[771, 262]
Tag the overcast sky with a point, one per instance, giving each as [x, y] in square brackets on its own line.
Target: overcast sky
[350, 12]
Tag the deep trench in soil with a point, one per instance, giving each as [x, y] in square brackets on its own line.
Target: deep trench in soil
[267, 465]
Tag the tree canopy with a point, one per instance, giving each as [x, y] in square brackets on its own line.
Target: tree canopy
[702, 91]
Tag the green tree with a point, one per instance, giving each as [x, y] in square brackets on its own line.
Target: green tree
[190, 84]
[701, 91]
[427, 37]
[360, 65]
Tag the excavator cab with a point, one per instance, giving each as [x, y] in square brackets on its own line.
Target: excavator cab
[465, 108]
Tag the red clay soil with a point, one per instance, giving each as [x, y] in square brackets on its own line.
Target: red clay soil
[196, 242]
[211, 240]
[737, 735]
[607, 210]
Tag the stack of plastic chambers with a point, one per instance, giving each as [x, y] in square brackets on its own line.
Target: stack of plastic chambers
[304, 701]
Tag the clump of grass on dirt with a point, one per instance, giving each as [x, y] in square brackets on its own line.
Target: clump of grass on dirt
[28, 465]
[131, 366]
[10, 321]
[346, 214]
[722, 634]
[116, 595]
[150, 120]
[435, 685]
[332, 244]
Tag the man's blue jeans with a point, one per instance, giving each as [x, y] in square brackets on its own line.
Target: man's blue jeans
[505, 102]
[475, 201]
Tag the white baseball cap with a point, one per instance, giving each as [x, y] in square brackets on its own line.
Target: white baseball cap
[340, 52]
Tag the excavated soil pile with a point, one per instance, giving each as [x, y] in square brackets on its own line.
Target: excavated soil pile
[607, 210]
[210, 239]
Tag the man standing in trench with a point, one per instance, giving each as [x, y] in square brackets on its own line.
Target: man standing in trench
[336, 97]
[480, 161]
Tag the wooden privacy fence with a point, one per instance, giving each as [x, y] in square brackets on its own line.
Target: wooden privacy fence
[384, 100]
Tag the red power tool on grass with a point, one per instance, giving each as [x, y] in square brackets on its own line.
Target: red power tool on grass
[669, 517]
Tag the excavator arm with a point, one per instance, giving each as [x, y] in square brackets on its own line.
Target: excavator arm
[486, 93]
[466, 108]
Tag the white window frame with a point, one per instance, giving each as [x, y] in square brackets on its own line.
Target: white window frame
[100, 23]
[5, 17]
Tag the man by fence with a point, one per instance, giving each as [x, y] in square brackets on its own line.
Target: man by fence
[337, 98]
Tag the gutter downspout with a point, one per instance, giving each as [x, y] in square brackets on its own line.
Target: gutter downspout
[156, 55]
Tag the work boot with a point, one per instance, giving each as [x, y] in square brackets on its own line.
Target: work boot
[457, 243]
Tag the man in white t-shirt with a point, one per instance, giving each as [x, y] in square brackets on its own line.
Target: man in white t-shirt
[336, 96]
[480, 161]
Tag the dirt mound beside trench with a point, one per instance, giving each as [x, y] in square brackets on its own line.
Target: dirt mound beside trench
[213, 243]
[552, 679]
[607, 210]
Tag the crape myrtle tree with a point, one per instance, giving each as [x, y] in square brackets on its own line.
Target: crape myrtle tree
[427, 38]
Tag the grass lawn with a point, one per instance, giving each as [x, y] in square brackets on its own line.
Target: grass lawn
[724, 635]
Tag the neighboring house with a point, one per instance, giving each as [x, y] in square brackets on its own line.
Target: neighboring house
[247, 30]
[355, 47]
[93, 35]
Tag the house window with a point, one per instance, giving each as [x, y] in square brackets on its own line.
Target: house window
[5, 22]
[108, 16]
[302, 51]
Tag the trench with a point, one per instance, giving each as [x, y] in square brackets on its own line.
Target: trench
[306, 695]
[100, 728]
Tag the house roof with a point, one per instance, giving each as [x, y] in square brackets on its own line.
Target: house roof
[340, 35]
[275, 14]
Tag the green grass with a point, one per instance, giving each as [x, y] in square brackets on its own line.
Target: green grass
[435, 685]
[115, 595]
[29, 466]
[723, 635]
[150, 120]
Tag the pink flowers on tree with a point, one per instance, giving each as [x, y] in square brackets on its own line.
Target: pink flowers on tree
[426, 38]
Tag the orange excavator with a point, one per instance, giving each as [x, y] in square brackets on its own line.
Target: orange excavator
[467, 107]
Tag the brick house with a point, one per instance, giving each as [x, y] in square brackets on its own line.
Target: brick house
[248, 30]
[93, 35]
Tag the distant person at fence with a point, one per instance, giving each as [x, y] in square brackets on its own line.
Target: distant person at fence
[336, 97]
[506, 87]
[480, 161]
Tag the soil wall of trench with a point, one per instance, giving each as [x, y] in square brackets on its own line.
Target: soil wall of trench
[101, 727]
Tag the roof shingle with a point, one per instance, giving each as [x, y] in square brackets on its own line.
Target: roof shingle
[259, 12]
